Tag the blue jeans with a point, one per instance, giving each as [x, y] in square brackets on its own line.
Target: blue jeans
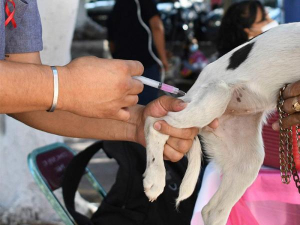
[149, 93]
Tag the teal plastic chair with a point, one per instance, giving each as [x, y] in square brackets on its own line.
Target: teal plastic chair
[47, 165]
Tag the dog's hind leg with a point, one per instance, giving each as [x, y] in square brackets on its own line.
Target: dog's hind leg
[192, 172]
[154, 176]
[154, 181]
[207, 103]
[239, 160]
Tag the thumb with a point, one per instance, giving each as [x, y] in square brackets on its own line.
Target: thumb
[170, 104]
[275, 126]
[161, 106]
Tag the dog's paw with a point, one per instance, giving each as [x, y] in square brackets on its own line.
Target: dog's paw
[154, 182]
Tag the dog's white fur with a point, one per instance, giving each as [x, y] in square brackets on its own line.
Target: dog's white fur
[241, 99]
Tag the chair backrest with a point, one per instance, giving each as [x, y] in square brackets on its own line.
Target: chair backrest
[47, 165]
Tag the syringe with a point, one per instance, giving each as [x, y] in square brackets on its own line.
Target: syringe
[159, 85]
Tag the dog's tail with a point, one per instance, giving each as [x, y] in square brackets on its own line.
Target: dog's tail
[190, 178]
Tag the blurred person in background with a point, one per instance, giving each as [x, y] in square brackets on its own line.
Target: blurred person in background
[128, 39]
[241, 22]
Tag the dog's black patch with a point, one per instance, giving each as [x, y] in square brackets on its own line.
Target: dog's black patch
[238, 99]
[239, 56]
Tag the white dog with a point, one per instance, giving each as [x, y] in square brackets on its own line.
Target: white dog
[241, 89]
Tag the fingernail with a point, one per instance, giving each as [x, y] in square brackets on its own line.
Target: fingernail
[182, 104]
[157, 126]
[275, 126]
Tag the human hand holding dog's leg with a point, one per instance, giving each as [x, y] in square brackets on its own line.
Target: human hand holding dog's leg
[171, 143]
[180, 140]
[291, 105]
[155, 174]
[175, 142]
[196, 113]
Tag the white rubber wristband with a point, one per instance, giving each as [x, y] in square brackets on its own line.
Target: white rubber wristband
[55, 94]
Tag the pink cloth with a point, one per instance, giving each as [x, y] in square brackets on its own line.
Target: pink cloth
[266, 202]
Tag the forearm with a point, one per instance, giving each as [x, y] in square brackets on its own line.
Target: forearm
[68, 124]
[59, 122]
[25, 87]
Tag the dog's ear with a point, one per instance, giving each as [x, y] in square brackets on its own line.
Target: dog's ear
[239, 56]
